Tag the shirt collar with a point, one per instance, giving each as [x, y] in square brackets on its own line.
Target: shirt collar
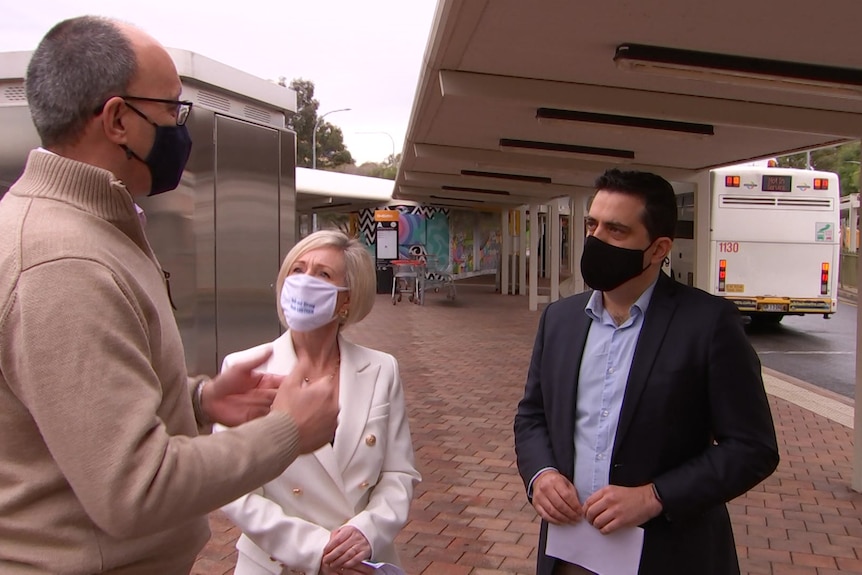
[595, 307]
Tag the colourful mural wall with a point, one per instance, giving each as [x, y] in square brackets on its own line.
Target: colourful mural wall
[462, 242]
[489, 240]
[475, 235]
[437, 239]
[462, 224]
[411, 235]
[421, 230]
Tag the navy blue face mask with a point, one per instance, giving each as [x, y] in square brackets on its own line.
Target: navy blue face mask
[606, 267]
[168, 156]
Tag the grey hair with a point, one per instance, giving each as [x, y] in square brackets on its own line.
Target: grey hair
[79, 64]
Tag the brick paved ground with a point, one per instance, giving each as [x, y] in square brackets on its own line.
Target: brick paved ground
[463, 366]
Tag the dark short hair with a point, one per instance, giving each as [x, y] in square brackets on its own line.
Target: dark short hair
[78, 65]
[660, 213]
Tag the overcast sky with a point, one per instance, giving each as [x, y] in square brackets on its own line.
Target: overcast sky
[361, 54]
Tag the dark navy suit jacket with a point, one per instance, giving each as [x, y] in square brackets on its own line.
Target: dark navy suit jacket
[694, 420]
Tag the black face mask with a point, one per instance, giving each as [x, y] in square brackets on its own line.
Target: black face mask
[168, 156]
[606, 267]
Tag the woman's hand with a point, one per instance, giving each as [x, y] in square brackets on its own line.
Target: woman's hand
[347, 548]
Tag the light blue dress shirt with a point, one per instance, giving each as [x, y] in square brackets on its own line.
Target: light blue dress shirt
[605, 366]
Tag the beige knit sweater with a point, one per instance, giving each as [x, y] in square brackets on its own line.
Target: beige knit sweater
[101, 466]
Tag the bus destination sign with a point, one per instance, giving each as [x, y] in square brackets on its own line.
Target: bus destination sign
[773, 183]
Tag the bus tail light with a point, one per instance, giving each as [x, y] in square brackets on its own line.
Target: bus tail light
[821, 184]
[731, 181]
[824, 278]
[722, 274]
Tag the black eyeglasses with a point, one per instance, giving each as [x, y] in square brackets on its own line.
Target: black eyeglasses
[184, 107]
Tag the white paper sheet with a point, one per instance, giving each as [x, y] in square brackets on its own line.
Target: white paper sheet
[385, 568]
[618, 553]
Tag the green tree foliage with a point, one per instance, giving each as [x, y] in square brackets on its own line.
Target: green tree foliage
[843, 160]
[390, 167]
[331, 151]
[387, 169]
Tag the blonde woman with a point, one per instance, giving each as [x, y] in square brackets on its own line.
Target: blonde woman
[343, 504]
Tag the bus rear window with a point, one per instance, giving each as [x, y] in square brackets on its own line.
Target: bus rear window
[772, 183]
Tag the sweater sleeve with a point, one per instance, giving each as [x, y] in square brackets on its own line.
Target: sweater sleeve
[77, 349]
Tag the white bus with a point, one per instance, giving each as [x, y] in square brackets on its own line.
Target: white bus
[773, 241]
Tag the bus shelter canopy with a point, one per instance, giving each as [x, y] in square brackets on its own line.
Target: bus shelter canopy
[519, 102]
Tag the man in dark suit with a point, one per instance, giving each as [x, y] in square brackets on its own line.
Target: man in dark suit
[644, 402]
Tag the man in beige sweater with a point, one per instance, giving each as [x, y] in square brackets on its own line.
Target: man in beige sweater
[102, 469]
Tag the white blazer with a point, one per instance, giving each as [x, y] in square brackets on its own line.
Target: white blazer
[365, 480]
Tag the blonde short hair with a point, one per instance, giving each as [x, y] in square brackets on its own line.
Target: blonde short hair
[361, 277]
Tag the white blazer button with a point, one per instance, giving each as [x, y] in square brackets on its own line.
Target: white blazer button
[297, 491]
[370, 440]
[364, 484]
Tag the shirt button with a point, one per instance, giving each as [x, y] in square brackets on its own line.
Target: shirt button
[605, 413]
[600, 456]
[297, 491]
[611, 371]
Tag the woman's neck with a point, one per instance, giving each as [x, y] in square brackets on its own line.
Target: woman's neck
[319, 348]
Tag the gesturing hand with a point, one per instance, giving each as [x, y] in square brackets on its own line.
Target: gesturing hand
[347, 548]
[240, 393]
[312, 405]
[555, 498]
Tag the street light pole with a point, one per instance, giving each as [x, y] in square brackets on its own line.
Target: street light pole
[391, 139]
[314, 135]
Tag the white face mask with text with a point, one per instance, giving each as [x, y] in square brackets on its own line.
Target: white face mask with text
[308, 302]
